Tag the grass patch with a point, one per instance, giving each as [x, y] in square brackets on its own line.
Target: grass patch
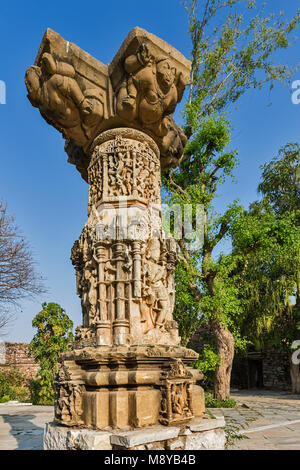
[211, 402]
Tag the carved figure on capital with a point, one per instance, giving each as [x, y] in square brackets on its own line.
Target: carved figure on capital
[150, 91]
[53, 89]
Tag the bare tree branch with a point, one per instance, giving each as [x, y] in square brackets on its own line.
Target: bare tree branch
[18, 277]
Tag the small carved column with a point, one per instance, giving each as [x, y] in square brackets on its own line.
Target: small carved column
[121, 323]
[103, 325]
[137, 268]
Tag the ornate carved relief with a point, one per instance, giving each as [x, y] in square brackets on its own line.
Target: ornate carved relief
[68, 398]
[113, 275]
[149, 93]
[176, 389]
[123, 167]
[53, 88]
[86, 276]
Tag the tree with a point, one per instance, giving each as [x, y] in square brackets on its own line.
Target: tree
[233, 46]
[204, 285]
[229, 56]
[270, 275]
[18, 277]
[280, 185]
[54, 335]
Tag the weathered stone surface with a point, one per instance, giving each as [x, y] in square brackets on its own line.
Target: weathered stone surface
[206, 440]
[198, 399]
[81, 97]
[144, 436]
[151, 438]
[176, 444]
[155, 446]
[199, 424]
[61, 438]
[55, 437]
[107, 402]
[89, 440]
[17, 355]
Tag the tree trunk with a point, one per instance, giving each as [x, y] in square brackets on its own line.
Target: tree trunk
[225, 346]
[295, 377]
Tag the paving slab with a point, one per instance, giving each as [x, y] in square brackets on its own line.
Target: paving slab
[276, 422]
[267, 421]
[22, 427]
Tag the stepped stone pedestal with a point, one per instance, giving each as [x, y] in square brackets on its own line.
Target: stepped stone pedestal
[198, 434]
[127, 382]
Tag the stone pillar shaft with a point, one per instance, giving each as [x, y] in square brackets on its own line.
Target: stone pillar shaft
[132, 276]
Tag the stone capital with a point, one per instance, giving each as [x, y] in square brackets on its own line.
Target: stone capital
[139, 89]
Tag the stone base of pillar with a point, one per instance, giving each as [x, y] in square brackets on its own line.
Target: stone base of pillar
[199, 434]
[123, 387]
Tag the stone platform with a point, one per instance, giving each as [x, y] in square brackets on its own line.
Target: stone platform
[198, 434]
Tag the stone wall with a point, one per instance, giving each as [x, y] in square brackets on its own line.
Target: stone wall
[16, 354]
[267, 369]
[264, 369]
[276, 369]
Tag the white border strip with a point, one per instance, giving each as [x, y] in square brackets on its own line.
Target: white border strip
[270, 426]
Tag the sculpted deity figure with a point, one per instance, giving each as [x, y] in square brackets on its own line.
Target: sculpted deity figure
[155, 291]
[150, 92]
[179, 403]
[88, 292]
[63, 405]
[53, 89]
[69, 403]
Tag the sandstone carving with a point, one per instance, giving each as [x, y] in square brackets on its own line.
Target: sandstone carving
[68, 394]
[149, 95]
[81, 97]
[53, 89]
[127, 368]
[176, 404]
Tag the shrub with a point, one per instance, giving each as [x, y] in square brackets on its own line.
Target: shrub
[13, 385]
[54, 335]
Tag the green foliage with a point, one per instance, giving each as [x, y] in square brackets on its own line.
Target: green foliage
[266, 239]
[232, 432]
[54, 335]
[280, 185]
[207, 362]
[204, 289]
[13, 385]
[233, 46]
[186, 311]
[41, 392]
[208, 359]
[211, 402]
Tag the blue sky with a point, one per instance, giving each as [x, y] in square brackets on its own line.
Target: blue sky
[47, 195]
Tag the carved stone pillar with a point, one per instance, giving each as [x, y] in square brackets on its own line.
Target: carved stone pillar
[127, 367]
